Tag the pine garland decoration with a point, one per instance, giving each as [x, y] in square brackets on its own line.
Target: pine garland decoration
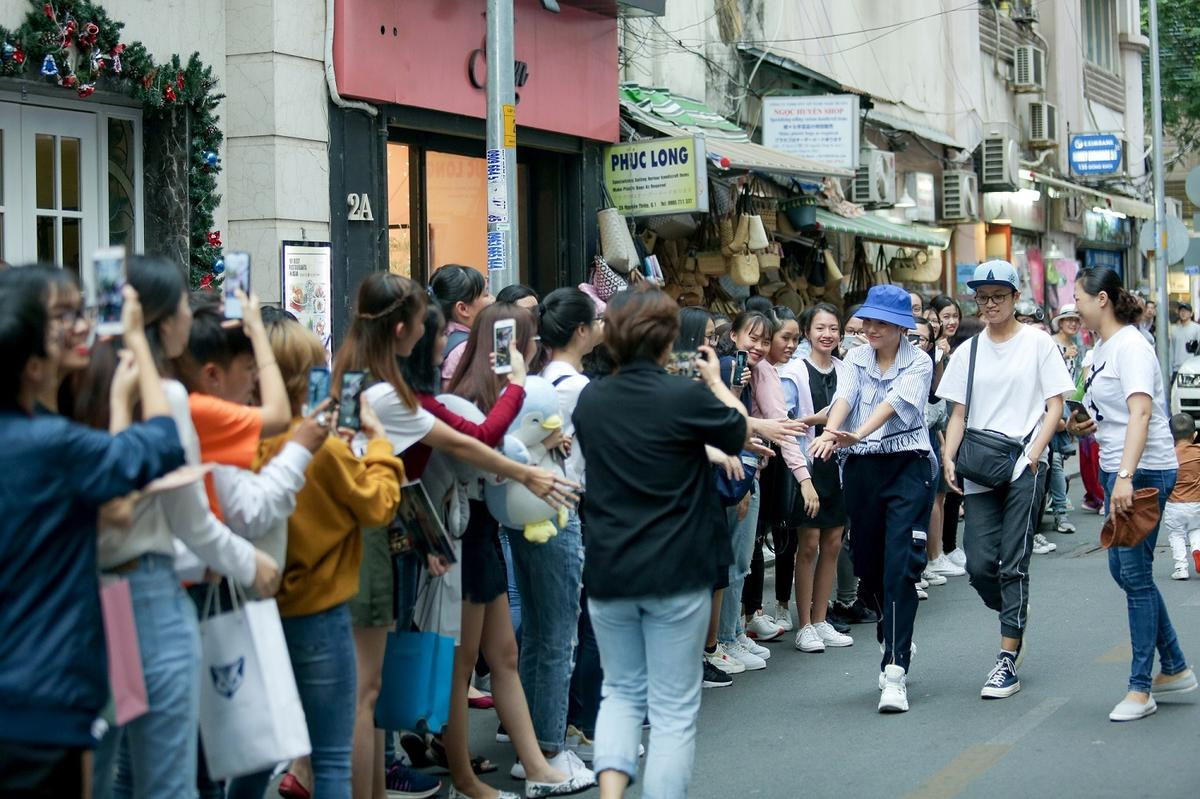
[77, 46]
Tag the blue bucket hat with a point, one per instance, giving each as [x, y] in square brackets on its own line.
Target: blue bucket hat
[888, 303]
[996, 272]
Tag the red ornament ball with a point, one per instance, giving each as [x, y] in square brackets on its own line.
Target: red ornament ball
[724, 162]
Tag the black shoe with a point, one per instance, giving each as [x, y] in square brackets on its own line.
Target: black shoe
[841, 626]
[714, 677]
[857, 613]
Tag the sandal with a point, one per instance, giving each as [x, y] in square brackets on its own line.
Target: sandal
[418, 752]
[437, 753]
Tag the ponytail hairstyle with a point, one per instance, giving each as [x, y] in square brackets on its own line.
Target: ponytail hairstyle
[563, 312]
[384, 301]
[454, 283]
[1099, 279]
[474, 378]
[418, 369]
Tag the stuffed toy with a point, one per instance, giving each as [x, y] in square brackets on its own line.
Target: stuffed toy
[451, 482]
[532, 439]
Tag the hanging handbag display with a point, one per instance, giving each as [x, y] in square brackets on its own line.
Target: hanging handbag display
[605, 280]
[860, 277]
[985, 456]
[616, 242]
[708, 254]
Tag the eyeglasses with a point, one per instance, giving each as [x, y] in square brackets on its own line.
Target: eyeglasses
[712, 340]
[993, 299]
[918, 339]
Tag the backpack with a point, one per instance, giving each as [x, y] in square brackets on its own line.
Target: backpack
[455, 338]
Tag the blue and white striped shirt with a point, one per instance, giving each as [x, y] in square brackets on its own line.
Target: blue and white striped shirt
[905, 387]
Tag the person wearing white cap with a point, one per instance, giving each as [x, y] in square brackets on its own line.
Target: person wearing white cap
[877, 419]
[1185, 339]
[1009, 380]
[1066, 336]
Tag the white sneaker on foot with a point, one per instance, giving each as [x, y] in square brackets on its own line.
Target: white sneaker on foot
[763, 628]
[932, 577]
[742, 655]
[809, 640]
[754, 648]
[1129, 710]
[783, 617]
[957, 557]
[1062, 524]
[921, 594]
[894, 698]
[720, 659]
[1041, 546]
[944, 566]
[1181, 572]
[830, 636]
[923, 584]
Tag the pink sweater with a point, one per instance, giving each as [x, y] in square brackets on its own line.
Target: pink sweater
[769, 403]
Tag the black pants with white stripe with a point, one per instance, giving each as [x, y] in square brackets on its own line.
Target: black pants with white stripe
[998, 540]
[888, 500]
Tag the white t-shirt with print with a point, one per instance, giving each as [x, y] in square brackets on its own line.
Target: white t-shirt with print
[403, 425]
[1122, 366]
[1013, 380]
[569, 383]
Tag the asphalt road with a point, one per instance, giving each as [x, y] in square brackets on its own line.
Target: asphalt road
[807, 725]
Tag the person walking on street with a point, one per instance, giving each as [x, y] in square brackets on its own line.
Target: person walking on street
[1185, 339]
[1125, 399]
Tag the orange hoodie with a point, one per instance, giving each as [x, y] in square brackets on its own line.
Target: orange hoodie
[341, 495]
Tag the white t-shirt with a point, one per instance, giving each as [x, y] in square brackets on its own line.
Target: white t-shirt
[404, 425]
[1013, 380]
[1122, 366]
[1181, 335]
[568, 383]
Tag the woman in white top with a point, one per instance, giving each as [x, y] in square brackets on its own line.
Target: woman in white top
[1017, 390]
[1125, 400]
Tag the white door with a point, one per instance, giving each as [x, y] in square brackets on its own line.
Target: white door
[10, 183]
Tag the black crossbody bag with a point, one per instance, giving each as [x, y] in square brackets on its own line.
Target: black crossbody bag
[985, 456]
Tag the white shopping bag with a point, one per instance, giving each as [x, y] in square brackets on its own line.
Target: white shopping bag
[250, 713]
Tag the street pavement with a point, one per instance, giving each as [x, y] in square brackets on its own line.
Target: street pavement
[807, 725]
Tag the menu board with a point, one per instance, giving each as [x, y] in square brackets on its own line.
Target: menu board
[306, 286]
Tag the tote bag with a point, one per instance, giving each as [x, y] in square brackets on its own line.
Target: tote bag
[616, 242]
[125, 676]
[250, 712]
[417, 671]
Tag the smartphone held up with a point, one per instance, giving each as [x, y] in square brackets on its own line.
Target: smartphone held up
[349, 411]
[502, 339]
[318, 388]
[109, 269]
[237, 276]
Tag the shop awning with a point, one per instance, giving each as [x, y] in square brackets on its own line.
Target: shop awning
[1115, 202]
[727, 145]
[916, 128]
[876, 228]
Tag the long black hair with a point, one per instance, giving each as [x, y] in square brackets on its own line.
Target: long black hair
[1098, 279]
[455, 283]
[513, 292]
[810, 313]
[563, 312]
[160, 287]
[418, 369]
[693, 321]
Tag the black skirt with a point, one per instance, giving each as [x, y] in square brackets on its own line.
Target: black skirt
[483, 575]
[828, 483]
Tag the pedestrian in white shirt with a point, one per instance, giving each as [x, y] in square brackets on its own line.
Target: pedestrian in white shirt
[1185, 339]
[1009, 379]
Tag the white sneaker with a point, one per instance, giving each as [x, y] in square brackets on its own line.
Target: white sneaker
[932, 577]
[1041, 546]
[921, 593]
[944, 566]
[763, 628]
[957, 557]
[754, 648]
[923, 584]
[720, 659]
[809, 640]
[1181, 572]
[742, 655]
[783, 617]
[1062, 524]
[1129, 710]
[830, 636]
[894, 698]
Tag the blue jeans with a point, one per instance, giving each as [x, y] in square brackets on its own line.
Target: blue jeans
[1133, 569]
[1058, 484]
[549, 577]
[156, 752]
[731, 623]
[650, 651]
[514, 594]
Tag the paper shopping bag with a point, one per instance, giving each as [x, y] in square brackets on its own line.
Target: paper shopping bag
[125, 676]
[250, 712]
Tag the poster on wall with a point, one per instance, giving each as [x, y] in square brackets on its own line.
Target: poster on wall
[306, 286]
[658, 176]
[822, 128]
[1067, 268]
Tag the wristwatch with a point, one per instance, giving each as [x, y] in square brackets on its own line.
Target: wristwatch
[1124, 474]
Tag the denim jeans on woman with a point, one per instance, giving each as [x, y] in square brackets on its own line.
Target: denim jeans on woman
[1133, 569]
[732, 623]
[649, 649]
[549, 577]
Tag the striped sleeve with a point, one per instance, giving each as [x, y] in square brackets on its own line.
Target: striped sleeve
[908, 392]
[849, 384]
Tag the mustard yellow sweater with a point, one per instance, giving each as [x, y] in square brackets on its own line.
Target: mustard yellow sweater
[341, 495]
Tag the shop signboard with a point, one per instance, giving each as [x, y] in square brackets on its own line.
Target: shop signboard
[657, 176]
[307, 286]
[822, 128]
[1094, 153]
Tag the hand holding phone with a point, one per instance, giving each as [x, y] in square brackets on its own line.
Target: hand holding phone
[1078, 410]
[318, 388]
[237, 278]
[684, 364]
[349, 416]
[737, 373]
[109, 269]
[503, 333]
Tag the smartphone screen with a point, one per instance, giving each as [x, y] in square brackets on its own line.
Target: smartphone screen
[110, 280]
[739, 365]
[1078, 410]
[683, 364]
[237, 276]
[502, 337]
[348, 410]
[318, 387]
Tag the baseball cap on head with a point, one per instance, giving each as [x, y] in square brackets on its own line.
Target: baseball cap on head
[996, 272]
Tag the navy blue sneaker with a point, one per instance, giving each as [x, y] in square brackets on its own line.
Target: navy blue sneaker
[1002, 682]
[404, 783]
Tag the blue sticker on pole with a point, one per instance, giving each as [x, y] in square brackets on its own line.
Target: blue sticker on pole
[496, 260]
[1095, 154]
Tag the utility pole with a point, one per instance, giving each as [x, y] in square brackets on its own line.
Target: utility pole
[502, 254]
[1162, 335]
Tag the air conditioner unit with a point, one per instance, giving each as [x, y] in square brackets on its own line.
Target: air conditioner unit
[1029, 68]
[999, 164]
[960, 196]
[1024, 11]
[1043, 125]
[875, 181]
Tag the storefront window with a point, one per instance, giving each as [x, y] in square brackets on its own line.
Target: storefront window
[456, 209]
[399, 210]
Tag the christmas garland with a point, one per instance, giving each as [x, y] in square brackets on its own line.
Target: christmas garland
[75, 45]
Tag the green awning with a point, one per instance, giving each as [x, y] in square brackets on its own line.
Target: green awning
[874, 228]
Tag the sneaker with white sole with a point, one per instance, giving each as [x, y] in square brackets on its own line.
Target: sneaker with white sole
[958, 557]
[932, 577]
[714, 677]
[721, 660]
[944, 566]
[1181, 572]
[1062, 524]
[568, 763]
[1002, 681]
[1041, 546]
[921, 594]
[754, 648]
[809, 640]
[583, 746]
[830, 636]
[742, 655]
[763, 628]
[922, 584]
[1182, 683]
[783, 617]
[894, 698]
[1131, 710]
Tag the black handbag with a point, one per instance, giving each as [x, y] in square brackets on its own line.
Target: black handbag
[985, 456]
[779, 490]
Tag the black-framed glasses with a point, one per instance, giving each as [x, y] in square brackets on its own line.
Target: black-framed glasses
[918, 339]
[993, 299]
